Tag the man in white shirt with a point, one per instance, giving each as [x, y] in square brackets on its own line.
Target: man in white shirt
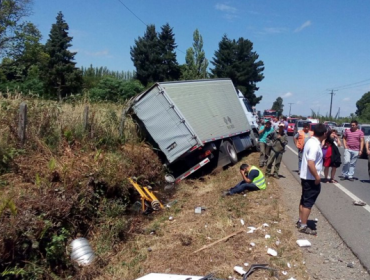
[312, 161]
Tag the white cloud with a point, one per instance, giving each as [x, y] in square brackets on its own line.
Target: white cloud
[303, 26]
[346, 99]
[299, 102]
[288, 94]
[98, 53]
[225, 8]
[274, 30]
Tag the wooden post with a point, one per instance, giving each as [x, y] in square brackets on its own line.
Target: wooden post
[22, 122]
[86, 118]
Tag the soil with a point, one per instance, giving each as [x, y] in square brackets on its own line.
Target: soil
[328, 257]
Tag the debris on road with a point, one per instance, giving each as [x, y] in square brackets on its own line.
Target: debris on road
[359, 203]
[303, 243]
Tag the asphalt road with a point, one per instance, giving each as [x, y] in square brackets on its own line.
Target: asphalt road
[336, 203]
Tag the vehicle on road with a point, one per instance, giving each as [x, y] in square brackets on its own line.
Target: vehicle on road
[269, 114]
[191, 123]
[342, 127]
[291, 125]
[332, 125]
[299, 125]
[366, 130]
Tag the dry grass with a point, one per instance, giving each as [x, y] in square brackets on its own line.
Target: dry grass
[159, 245]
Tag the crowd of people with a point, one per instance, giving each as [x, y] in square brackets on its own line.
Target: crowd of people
[317, 151]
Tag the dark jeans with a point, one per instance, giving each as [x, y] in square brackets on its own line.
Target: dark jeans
[243, 186]
[368, 165]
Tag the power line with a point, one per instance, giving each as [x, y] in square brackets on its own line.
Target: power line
[133, 13]
[141, 20]
[290, 107]
[340, 87]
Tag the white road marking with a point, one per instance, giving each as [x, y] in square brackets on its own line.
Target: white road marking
[343, 189]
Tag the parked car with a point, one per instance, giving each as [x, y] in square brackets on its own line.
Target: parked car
[312, 126]
[291, 125]
[333, 125]
[299, 125]
[342, 127]
[366, 130]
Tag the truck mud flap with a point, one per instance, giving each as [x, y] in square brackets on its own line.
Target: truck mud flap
[192, 170]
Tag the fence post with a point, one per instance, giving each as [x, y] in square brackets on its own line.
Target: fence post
[86, 118]
[22, 122]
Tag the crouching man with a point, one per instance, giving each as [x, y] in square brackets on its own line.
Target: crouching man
[253, 180]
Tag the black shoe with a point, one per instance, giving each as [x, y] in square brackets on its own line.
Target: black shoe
[225, 193]
[343, 178]
[350, 179]
[298, 224]
[307, 230]
[276, 176]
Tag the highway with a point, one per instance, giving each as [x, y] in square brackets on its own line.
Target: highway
[336, 203]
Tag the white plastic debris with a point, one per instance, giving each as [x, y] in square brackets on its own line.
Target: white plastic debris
[279, 231]
[265, 225]
[284, 272]
[267, 236]
[239, 270]
[275, 222]
[252, 244]
[316, 219]
[246, 264]
[170, 218]
[303, 243]
[245, 195]
[242, 222]
[277, 242]
[291, 278]
[251, 229]
[271, 252]
[288, 264]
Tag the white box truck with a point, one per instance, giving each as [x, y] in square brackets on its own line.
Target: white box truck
[194, 122]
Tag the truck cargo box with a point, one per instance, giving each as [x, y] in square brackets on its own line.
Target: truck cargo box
[182, 115]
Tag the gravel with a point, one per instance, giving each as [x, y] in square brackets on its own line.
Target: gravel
[328, 257]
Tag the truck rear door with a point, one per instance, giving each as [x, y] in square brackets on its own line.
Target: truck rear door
[165, 124]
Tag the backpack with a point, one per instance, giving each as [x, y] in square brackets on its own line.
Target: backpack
[335, 156]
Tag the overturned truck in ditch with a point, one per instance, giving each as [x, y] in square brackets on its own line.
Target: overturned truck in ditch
[192, 123]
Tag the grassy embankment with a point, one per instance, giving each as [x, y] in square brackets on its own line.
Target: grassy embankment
[67, 182]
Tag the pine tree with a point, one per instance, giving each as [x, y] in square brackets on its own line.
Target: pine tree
[169, 68]
[146, 57]
[237, 60]
[62, 77]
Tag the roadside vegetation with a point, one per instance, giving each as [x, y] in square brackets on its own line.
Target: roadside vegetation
[67, 181]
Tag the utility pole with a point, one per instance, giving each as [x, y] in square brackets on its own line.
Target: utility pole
[331, 100]
[290, 107]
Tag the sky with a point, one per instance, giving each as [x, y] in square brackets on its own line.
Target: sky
[308, 47]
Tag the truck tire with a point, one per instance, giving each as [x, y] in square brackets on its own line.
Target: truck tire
[256, 143]
[231, 152]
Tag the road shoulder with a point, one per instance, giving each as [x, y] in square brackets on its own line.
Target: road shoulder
[328, 257]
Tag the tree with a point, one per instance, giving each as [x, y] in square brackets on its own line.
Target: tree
[169, 67]
[146, 57]
[61, 74]
[278, 106]
[115, 90]
[237, 60]
[196, 63]
[11, 14]
[362, 103]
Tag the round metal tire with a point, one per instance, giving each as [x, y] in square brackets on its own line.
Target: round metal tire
[231, 152]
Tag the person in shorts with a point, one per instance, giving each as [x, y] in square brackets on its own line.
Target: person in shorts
[312, 161]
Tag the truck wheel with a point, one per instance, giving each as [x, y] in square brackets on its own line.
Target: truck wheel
[231, 152]
[256, 144]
